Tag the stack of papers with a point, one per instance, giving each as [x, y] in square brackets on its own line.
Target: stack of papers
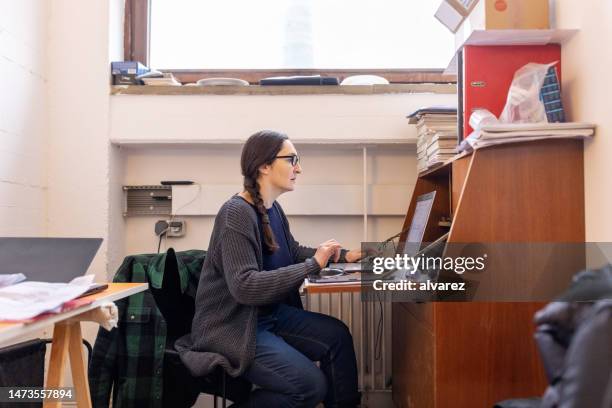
[436, 135]
[522, 132]
[26, 300]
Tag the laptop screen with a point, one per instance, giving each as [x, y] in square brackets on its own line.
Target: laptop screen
[47, 259]
[424, 203]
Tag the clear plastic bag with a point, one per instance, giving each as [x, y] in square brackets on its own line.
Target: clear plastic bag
[523, 104]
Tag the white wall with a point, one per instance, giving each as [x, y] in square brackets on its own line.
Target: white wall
[233, 117]
[587, 63]
[336, 166]
[80, 45]
[23, 131]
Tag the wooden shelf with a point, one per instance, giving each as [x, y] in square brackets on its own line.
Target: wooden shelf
[443, 167]
[513, 37]
[507, 37]
[444, 88]
[239, 142]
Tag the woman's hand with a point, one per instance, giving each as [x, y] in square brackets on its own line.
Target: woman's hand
[326, 250]
[353, 255]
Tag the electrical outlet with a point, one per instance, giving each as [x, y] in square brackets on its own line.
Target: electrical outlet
[176, 228]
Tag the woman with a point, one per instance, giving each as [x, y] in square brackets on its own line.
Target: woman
[249, 317]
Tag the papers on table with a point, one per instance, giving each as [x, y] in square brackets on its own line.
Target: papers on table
[11, 279]
[26, 300]
[491, 135]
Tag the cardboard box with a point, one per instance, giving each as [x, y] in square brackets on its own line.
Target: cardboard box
[509, 14]
[451, 13]
[493, 14]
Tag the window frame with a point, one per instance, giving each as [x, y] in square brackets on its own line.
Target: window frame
[136, 44]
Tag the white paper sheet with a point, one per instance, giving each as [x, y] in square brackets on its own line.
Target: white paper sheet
[527, 127]
[505, 133]
[26, 300]
[477, 144]
[534, 133]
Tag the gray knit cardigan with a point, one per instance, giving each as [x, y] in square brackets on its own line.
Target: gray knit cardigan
[232, 287]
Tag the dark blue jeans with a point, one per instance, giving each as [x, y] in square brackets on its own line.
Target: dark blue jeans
[289, 340]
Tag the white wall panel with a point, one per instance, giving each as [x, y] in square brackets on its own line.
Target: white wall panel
[235, 117]
[586, 95]
[23, 29]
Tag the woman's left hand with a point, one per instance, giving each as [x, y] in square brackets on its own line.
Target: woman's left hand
[353, 255]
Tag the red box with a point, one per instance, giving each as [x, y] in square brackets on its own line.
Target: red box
[487, 73]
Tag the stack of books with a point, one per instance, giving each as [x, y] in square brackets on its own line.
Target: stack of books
[441, 147]
[436, 135]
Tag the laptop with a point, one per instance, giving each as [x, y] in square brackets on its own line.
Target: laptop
[433, 249]
[55, 260]
[414, 239]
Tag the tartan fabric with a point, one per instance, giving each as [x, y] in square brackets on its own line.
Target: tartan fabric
[129, 359]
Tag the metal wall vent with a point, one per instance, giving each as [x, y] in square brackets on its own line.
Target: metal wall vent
[147, 200]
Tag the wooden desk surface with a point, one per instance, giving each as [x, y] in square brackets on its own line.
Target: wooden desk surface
[115, 291]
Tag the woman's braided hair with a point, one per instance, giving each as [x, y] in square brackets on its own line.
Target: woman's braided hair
[260, 149]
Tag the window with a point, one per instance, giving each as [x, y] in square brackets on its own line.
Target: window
[399, 39]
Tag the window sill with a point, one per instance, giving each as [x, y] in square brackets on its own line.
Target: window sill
[284, 90]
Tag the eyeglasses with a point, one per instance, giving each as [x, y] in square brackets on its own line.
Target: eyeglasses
[295, 159]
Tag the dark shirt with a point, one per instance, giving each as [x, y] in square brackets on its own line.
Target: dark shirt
[279, 258]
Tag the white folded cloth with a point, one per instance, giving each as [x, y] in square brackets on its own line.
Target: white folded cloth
[107, 315]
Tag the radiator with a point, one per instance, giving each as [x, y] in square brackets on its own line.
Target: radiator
[370, 324]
